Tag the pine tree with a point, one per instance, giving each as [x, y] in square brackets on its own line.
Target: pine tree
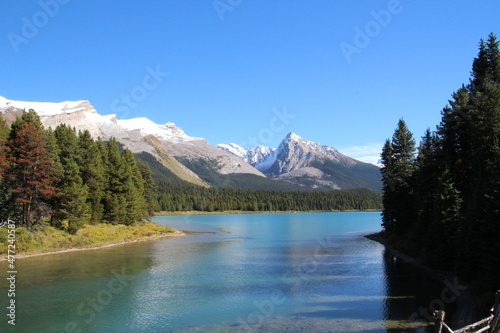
[71, 205]
[134, 189]
[424, 182]
[389, 187]
[118, 183]
[92, 174]
[30, 174]
[484, 206]
[149, 188]
[399, 157]
[4, 192]
[4, 132]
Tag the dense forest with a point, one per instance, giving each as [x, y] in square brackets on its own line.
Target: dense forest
[68, 179]
[182, 197]
[442, 199]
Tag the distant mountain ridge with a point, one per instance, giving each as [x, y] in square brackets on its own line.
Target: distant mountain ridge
[296, 162]
[309, 164]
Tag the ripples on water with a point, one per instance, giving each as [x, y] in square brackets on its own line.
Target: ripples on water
[261, 272]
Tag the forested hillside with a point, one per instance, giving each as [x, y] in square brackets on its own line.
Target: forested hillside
[68, 179]
[442, 200]
[179, 197]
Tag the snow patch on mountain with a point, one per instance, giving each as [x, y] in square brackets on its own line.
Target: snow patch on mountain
[83, 116]
[45, 108]
[253, 156]
[234, 149]
[133, 133]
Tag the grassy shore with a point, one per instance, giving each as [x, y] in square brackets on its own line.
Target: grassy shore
[51, 240]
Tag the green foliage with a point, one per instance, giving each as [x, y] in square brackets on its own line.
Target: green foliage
[449, 196]
[92, 172]
[398, 157]
[30, 171]
[69, 179]
[183, 197]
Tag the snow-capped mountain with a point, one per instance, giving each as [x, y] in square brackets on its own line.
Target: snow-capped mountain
[309, 163]
[252, 156]
[139, 135]
[296, 160]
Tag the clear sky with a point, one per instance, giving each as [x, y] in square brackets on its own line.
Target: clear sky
[249, 71]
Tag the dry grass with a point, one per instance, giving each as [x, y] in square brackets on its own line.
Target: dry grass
[49, 239]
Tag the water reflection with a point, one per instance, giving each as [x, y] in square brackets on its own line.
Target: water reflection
[411, 296]
[329, 278]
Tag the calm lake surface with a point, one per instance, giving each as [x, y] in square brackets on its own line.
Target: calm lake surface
[302, 272]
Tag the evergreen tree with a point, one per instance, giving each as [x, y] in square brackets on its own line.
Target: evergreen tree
[70, 206]
[119, 182]
[455, 187]
[134, 186]
[397, 177]
[149, 188]
[484, 207]
[424, 181]
[4, 132]
[30, 174]
[92, 174]
[4, 192]
[389, 186]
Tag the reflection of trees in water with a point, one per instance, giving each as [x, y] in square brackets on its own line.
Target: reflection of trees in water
[84, 264]
[412, 296]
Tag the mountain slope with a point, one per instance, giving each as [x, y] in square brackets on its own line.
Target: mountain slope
[295, 164]
[311, 164]
[168, 143]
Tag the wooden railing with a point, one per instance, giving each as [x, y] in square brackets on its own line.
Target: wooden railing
[490, 324]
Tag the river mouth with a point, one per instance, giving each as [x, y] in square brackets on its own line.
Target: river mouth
[303, 272]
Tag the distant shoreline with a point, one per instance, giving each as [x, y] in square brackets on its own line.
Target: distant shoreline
[236, 212]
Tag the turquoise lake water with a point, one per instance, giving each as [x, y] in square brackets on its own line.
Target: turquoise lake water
[302, 272]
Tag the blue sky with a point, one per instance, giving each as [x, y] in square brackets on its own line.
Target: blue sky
[336, 72]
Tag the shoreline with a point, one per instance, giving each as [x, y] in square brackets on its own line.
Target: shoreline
[237, 212]
[5, 257]
[465, 312]
[22, 256]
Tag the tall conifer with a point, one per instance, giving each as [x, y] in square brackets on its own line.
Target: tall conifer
[31, 174]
